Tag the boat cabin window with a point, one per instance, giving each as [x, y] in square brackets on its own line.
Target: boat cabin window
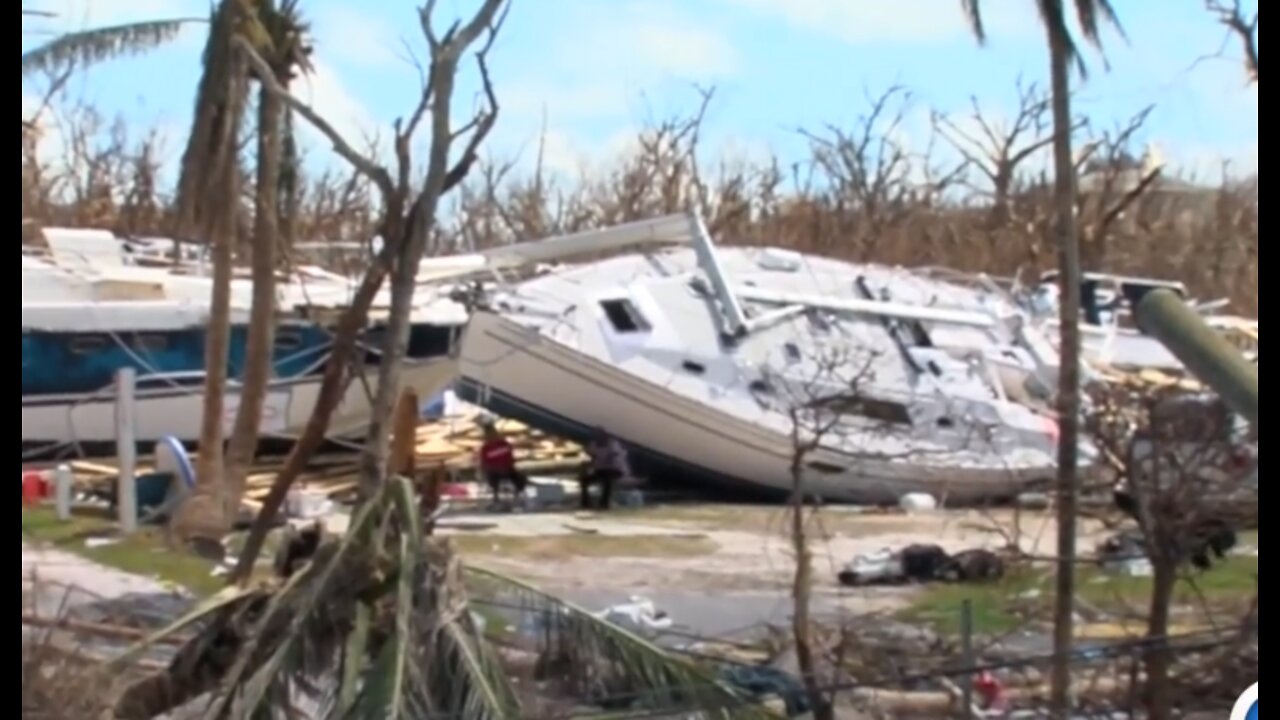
[818, 321]
[793, 352]
[880, 410]
[624, 316]
[288, 340]
[88, 344]
[825, 468]
[150, 343]
[694, 367]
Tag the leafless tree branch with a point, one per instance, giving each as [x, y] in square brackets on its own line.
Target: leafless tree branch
[1243, 27]
[375, 172]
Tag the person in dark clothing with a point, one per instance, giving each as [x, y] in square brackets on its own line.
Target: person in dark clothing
[498, 464]
[607, 466]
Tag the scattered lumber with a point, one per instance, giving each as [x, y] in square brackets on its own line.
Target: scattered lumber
[451, 443]
[455, 442]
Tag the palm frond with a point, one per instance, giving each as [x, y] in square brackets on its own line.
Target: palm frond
[89, 47]
[353, 661]
[973, 13]
[208, 172]
[1092, 15]
[387, 697]
[618, 667]
[293, 615]
[371, 635]
[465, 677]
[205, 610]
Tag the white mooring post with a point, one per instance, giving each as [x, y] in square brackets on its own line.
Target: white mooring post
[63, 480]
[126, 450]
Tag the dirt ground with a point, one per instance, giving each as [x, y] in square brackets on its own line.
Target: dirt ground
[710, 548]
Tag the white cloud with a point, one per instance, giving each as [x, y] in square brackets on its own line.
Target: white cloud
[357, 38]
[869, 21]
[327, 94]
[614, 56]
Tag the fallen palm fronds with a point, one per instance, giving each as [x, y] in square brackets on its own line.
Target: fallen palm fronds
[377, 625]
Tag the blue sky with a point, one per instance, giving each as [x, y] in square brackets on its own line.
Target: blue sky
[594, 69]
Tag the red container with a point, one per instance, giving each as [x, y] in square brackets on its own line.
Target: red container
[34, 488]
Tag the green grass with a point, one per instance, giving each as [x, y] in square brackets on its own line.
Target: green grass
[556, 547]
[1005, 606]
[770, 519]
[144, 553]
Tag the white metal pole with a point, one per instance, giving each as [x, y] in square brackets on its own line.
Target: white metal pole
[63, 481]
[126, 450]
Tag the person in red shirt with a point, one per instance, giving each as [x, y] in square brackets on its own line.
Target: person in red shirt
[498, 464]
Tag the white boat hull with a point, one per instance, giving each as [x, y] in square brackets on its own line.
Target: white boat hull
[520, 374]
[177, 411]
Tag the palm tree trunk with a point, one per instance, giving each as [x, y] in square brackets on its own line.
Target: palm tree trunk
[261, 340]
[1069, 373]
[1159, 657]
[195, 521]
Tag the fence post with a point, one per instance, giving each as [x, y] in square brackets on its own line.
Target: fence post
[63, 480]
[126, 450]
[966, 640]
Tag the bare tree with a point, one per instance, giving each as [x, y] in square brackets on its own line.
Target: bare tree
[816, 407]
[1115, 177]
[1185, 463]
[834, 414]
[999, 149]
[1243, 26]
[405, 226]
[868, 166]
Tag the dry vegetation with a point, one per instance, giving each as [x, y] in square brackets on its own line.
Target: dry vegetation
[858, 195]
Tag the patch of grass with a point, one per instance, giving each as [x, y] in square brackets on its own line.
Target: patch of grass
[1001, 607]
[773, 519]
[596, 546]
[143, 553]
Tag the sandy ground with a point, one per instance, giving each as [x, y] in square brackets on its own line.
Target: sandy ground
[728, 547]
[51, 568]
[690, 559]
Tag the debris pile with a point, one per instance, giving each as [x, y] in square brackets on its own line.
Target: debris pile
[922, 564]
[450, 443]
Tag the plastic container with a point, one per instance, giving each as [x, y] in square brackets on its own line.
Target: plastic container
[35, 487]
[153, 489]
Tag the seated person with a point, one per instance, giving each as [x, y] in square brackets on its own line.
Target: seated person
[608, 465]
[498, 464]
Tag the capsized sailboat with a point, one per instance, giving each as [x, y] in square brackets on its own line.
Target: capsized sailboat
[745, 366]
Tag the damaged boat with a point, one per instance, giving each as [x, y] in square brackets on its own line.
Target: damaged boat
[92, 305]
[742, 366]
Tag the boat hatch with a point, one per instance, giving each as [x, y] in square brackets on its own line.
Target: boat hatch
[624, 316]
[778, 260]
[872, 409]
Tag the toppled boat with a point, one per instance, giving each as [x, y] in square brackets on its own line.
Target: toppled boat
[1111, 339]
[93, 305]
[739, 366]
